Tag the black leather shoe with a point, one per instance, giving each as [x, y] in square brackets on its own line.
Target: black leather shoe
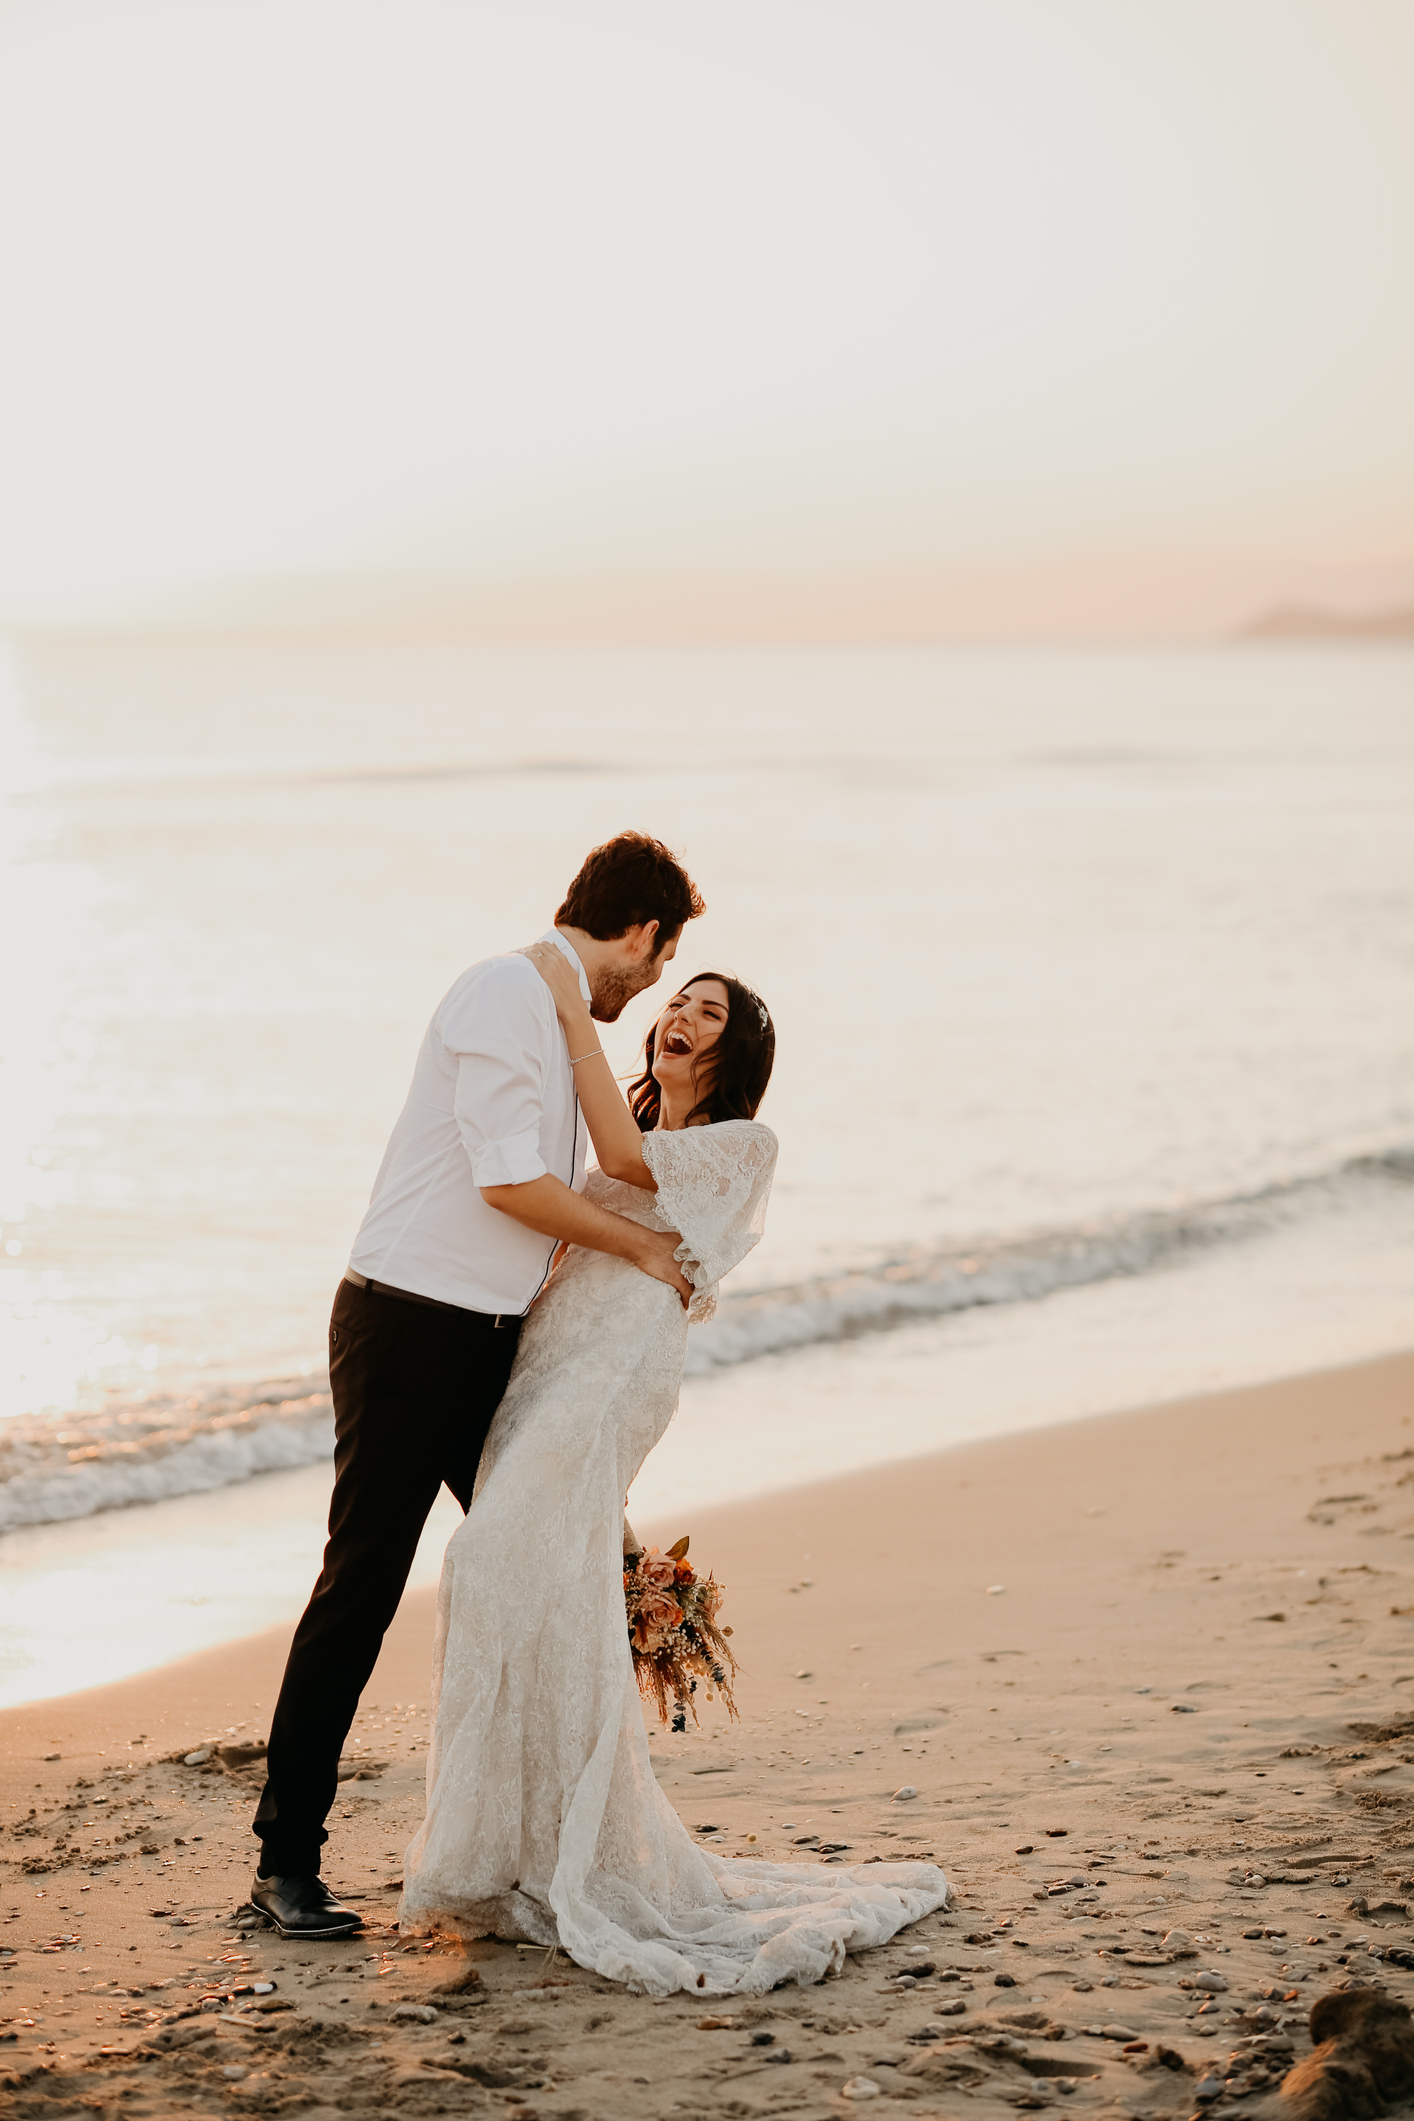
[302, 1907]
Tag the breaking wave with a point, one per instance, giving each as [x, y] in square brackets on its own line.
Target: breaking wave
[59, 1467]
[930, 1284]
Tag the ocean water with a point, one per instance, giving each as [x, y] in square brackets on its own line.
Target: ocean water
[1091, 974]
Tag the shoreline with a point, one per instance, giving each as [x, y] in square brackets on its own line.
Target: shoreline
[128, 1589]
[1129, 1648]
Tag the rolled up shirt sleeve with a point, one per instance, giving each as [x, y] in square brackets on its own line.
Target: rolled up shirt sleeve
[502, 1047]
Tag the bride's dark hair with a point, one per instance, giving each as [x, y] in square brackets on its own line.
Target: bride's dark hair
[741, 1060]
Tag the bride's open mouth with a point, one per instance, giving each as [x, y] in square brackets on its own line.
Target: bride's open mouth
[678, 1043]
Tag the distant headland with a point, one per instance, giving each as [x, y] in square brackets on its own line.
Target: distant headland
[1310, 622]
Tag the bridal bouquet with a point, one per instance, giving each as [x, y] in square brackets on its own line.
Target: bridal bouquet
[673, 1631]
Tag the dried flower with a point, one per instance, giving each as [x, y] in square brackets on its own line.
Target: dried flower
[657, 1618]
[673, 1633]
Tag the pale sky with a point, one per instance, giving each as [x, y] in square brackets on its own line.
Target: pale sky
[508, 289]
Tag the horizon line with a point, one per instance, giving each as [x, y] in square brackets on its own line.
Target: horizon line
[1093, 601]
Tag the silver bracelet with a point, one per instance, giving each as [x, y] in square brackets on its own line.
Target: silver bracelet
[586, 1056]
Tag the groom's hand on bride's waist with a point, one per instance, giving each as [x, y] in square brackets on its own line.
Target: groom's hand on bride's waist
[658, 1259]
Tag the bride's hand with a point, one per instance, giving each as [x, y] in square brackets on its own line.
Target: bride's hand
[560, 977]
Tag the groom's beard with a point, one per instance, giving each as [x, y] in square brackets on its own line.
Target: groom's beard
[613, 989]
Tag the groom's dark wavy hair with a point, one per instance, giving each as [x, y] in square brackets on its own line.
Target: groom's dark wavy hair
[743, 1056]
[626, 883]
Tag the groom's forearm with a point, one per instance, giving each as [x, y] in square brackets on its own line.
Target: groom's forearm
[554, 1209]
[548, 1205]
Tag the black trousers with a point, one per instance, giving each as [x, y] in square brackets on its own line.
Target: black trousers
[414, 1392]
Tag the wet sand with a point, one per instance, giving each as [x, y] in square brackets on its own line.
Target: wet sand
[1151, 1677]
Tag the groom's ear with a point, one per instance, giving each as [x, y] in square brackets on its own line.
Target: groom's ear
[664, 945]
[642, 941]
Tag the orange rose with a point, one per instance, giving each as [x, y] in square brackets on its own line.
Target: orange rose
[657, 1616]
[657, 1570]
[684, 1572]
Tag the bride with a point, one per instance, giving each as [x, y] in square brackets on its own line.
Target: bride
[544, 1821]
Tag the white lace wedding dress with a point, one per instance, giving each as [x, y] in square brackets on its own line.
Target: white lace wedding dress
[544, 1820]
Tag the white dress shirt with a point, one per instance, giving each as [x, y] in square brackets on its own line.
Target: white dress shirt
[492, 1103]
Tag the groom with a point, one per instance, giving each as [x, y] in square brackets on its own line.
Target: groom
[482, 1179]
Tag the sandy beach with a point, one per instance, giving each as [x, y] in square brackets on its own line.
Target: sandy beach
[1141, 1685]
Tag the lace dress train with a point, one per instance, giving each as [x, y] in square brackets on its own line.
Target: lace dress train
[544, 1819]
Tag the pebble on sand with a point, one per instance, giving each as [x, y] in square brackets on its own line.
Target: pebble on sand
[861, 2088]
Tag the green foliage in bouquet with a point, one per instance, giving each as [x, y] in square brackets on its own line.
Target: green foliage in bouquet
[673, 1632]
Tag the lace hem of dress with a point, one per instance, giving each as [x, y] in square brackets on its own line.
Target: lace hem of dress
[776, 1923]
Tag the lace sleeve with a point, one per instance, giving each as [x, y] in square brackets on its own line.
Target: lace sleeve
[713, 1185]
